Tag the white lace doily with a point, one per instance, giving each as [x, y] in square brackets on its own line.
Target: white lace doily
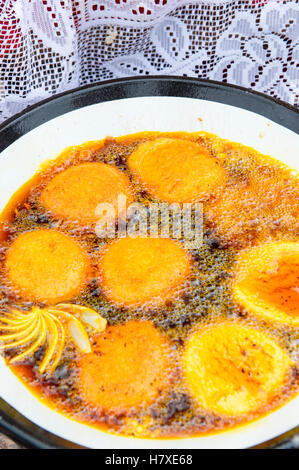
[48, 46]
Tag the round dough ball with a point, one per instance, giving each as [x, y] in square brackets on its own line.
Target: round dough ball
[232, 369]
[267, 282]
[75, 194]
[128, 367]
[138, 271]
[176, 170]
[46, 266]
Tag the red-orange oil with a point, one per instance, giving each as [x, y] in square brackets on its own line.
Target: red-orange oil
[206, 296]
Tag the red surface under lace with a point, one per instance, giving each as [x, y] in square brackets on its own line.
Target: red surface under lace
[10, 32]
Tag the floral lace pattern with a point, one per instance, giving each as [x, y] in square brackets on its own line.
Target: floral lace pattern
[48, 46]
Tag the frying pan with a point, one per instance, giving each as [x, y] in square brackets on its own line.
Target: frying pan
[120, 107]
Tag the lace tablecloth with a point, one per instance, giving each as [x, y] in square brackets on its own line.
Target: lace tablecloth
[48, 46]
[6, 443]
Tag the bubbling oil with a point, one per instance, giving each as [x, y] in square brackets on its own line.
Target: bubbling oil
[241, 214]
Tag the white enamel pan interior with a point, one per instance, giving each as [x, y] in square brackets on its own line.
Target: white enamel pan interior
[21, 160]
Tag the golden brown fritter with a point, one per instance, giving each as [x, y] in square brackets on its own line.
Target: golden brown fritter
[176, 170]
[267, 282]
[232, 369]
[137, 271]
[128, 366]
[74, 194]
[46, 266]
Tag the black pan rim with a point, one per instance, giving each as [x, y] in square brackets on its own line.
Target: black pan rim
[13, 423]
[169, 78]
[156, 85]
